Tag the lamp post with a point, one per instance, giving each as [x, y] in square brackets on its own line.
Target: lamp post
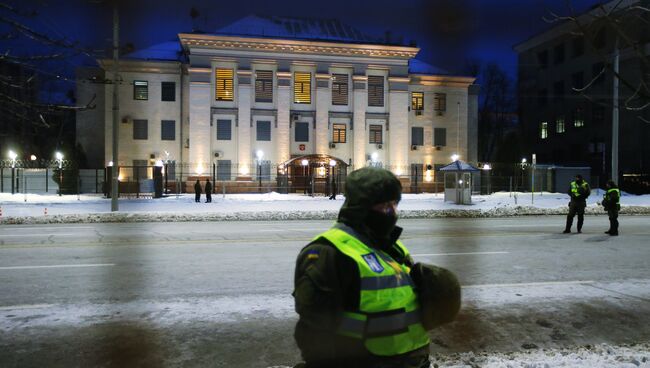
[259, 155]
[304, 164]
[12, 156]
[59, 157]
[487, 169]
[166, 168]
[332, 176]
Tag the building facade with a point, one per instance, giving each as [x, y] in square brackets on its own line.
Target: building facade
[566, 89]
[243, 108]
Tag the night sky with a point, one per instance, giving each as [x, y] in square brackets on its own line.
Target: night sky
[449, 32]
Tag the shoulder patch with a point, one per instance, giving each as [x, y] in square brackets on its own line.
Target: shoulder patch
[312, 254]
[373, 262]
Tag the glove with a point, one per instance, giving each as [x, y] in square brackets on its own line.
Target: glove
[438, 292]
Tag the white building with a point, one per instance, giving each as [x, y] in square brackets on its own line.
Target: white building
[257, 98]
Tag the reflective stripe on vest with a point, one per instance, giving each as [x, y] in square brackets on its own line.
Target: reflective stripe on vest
[618, 200]
[388, 319]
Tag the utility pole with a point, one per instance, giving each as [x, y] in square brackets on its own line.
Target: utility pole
[614, 175]
[116, 109]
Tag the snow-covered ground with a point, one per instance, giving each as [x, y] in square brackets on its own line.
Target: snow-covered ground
[34, 208]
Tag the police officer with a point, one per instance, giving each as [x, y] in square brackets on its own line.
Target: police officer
[612, 204]
[579, 190]
[361, 301]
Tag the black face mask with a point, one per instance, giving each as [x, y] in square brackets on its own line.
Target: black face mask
[381, 225]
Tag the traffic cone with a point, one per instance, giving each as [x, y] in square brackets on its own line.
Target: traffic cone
[45, 212]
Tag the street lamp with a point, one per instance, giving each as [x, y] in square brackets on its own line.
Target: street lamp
[454, 157]
[487, 169]
[304, 164]
[373, 158]
[260, 155]
[12, 156]
[59, 157]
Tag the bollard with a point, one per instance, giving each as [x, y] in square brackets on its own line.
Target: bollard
[45, 212]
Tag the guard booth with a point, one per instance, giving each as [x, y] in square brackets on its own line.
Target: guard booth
[458, 182]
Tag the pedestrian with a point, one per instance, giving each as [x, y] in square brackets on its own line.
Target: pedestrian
[361, 300]
[579, 190]
[208, 191]
[197, 191]
[334, 189]
[612, 204]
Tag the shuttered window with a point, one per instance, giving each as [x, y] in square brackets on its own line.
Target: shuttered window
[302, 88]
[140, 90]
[224, 84]
[168, 91]
[224, 169]
[302, 132]
[168, 130]
[440, 103]
[339, 89]
[338, 133]
[440, 136]
[417, 101]
[224, 130]
[263, 130]
[375, 134]
[417, 136]
[140, 129]
[264, 86]
[375, 90]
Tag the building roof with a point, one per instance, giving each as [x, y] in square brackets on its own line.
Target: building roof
[419, 67]
[166, 51]
[458, 165]
[297, 29]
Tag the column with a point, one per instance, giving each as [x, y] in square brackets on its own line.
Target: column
[199, 125]
[244, 153]
[398, 133]
[323, 98]
[360, 96]
[283, 152]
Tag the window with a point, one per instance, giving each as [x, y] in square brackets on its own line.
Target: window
[578, 80]
[558, 90]
[417, 136]
[224, 130]
[302, 132]
[168, 91]
[338, 133]
[578, 45]
[264, 86]
[302, 88]
[168, 130]
[559, 125]
[558, 54]
[542, 59]
[224, 84]
[140, 170]
[339, 89]
[224, 168]
[263, 130]
[140, 129]
[375, 90]
[597, 72]
[440, 103]
[140, 90]
[417, 101]
[578, 118]
[375, 134]
[543, 130]
[440, 136]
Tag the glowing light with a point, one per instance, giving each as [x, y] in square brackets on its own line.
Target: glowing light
[304, 162]
[428, 176]
[332, 163]
[460, 182]
[523, 160]
[259, 154]
[244, 170]
[58, 155]
[12, 155]
[159, 163]
[454, 157]
[321, 171]
[199, 169]
[487, 167]
[119, 177]
[398, 172]
[32, 157]
[374, 156]
[110, 163]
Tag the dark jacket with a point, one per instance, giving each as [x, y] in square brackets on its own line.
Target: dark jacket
[208, 188]
[584, 190]
[197, 188]
[611, 200]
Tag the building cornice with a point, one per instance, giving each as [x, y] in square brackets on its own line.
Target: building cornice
[441, 80]
[296, 46]
[140, 66]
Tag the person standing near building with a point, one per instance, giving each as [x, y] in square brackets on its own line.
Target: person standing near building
[361, 300]
[208, 191]
[197, 191]
[334, 189]
[579, 190]
[612, 204]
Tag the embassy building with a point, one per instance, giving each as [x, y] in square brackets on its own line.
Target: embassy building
[274, 101]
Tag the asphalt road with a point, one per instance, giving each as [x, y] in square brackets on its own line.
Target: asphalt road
[218, 294]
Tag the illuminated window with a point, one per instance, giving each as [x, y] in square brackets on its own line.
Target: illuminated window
[140, 90]
[578, 118]
[264, 86]
[559, 125]
[375, 90]
[440, 103]
[302, 88]
[339, 89]
[417, 101]
[224, 84]
[338, 133]
[543, 130]
[375, 134]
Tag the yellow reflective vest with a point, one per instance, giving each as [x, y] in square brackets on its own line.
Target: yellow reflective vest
[388, 319]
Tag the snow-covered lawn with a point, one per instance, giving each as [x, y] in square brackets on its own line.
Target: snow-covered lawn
[34, 208]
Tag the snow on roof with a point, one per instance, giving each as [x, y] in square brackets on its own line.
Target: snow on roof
[170, 51]
[296, 28]
[419, 67]
[459, 165]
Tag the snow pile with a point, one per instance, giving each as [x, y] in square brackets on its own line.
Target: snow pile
[34, 208]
